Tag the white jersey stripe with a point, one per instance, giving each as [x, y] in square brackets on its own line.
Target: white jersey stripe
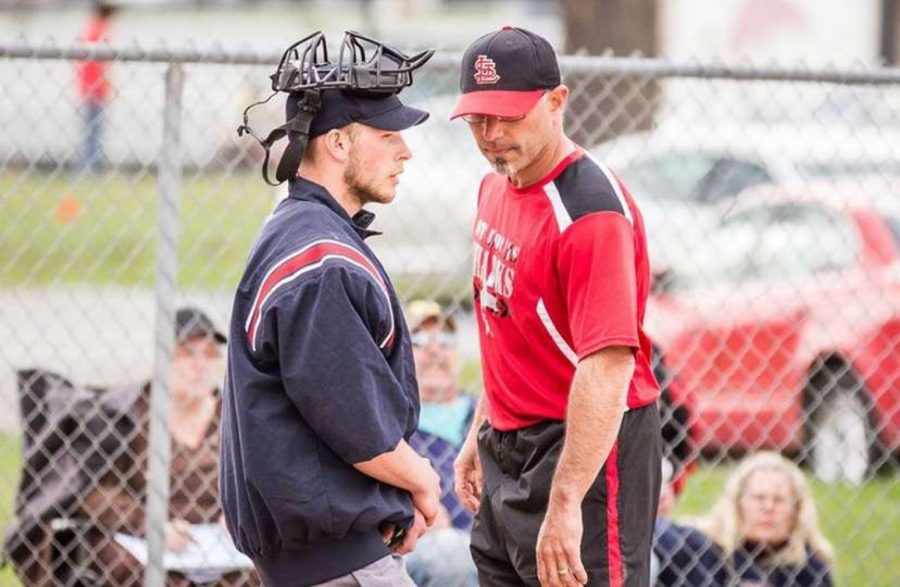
[550, 327]
[563, 220]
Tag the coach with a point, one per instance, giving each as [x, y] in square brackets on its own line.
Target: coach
[565, 472]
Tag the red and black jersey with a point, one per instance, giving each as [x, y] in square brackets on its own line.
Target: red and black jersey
[560, 272]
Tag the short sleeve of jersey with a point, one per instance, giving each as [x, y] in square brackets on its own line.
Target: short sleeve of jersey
[595, 260]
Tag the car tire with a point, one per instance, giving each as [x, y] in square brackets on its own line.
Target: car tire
[840, 439]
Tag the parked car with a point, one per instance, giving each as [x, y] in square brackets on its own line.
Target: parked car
[783, 325]
[684, 178]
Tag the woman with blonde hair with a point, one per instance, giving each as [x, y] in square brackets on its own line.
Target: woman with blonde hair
[766, 524]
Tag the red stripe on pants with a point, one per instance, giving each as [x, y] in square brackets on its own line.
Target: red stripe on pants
[613, 546]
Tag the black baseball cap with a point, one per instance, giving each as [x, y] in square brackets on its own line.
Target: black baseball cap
[191, 322]
[505, 73]
[340, 109]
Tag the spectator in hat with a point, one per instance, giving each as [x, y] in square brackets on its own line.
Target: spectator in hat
[442, 556]
[446, 409]
[117, 502]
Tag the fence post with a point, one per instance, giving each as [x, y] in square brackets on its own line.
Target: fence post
[169, 177]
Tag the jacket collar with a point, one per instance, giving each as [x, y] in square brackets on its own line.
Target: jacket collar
[308, 191]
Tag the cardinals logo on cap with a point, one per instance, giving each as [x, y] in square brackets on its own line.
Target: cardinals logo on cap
[486, 70]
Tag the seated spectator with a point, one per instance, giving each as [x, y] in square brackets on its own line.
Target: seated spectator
[446, 410]
[117, 503]
[98, 480]
[441, 557]
[766, 524]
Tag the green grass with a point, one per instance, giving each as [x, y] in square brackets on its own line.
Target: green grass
[10, 459]
[863, 523]
[108, 235]
[111, 239]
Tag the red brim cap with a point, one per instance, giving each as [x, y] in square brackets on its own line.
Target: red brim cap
[506, 103]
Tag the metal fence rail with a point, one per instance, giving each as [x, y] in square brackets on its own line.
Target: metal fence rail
[772, 207]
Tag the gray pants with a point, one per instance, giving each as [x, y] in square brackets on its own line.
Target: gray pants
[385, 572]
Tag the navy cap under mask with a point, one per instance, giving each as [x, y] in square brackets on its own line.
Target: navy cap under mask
[340, 109]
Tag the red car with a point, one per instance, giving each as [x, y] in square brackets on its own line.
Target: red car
[783, 327]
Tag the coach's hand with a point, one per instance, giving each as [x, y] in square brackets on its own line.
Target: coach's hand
[468, 478]
[559, 548]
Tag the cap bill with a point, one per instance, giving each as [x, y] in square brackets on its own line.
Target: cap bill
[506, 103]
[400, 118]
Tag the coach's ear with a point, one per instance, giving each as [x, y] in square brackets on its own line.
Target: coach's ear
[558, 98]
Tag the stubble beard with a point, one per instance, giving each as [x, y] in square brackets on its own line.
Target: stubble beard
[365, 191]
[502, 167]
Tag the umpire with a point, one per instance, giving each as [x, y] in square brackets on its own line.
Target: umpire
[318, 483]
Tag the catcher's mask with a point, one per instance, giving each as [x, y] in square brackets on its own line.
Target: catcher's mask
[365, 71]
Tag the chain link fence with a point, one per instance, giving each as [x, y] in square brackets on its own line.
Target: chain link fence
[773, 211]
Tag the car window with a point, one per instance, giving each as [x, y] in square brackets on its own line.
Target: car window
[801, 240]
[724, 256]
[670, 177]
[776, 243]
[727, 178]
[841, 167]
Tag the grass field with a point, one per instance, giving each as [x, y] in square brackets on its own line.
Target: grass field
[862, 522]
[62, 229]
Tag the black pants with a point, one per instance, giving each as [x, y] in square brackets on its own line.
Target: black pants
[618, 511]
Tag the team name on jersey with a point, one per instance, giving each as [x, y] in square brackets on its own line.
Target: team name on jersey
[494, 257]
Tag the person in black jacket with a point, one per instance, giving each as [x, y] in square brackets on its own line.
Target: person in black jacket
[683, 556]
[318, 481]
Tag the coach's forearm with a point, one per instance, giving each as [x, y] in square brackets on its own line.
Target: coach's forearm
[478, 417]
[596, 405]
[401, 467]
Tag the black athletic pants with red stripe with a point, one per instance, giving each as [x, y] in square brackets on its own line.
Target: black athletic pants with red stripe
[618, 511]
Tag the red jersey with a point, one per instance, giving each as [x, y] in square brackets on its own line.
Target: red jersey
[561, 271]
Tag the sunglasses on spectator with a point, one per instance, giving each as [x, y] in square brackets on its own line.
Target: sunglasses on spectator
[440, 338]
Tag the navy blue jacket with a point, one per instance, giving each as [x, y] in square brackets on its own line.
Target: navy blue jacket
[752, 568]
[320, 376]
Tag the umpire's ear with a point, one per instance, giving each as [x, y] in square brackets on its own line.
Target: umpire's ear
[336, 143]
